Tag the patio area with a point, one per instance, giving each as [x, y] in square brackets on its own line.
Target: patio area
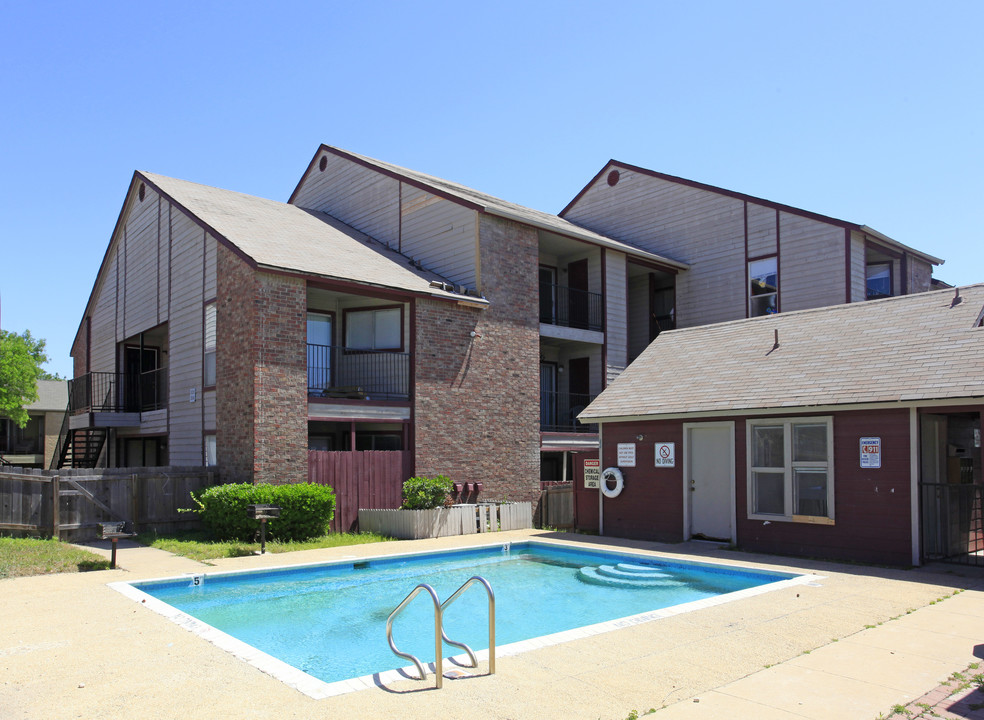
[852, 645]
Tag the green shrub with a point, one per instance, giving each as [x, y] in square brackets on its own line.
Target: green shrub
[420, 493]
[306, 510]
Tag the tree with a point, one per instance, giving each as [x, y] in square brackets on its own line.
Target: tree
[21, 358]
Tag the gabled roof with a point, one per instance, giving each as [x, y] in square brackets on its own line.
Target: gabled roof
[488, 204]
[52, 395]
[616, 164]
[898, 350]
[278, 236]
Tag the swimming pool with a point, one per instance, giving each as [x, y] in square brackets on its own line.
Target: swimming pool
[318, 626]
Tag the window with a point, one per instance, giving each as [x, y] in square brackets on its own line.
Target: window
[211, 451]
[763, 287]
[208, 379]
[790, 469]
[879, 281]
[319, 338]
[380, 329]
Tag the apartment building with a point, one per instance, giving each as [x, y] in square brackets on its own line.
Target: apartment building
[417, 324]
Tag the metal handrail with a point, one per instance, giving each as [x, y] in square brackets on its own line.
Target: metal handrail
[444, 605]
[438, 633]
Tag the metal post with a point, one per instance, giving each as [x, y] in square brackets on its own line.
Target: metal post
[262, 535]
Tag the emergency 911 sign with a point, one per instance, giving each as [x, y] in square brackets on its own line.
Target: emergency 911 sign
[871, 452]
[665, 454]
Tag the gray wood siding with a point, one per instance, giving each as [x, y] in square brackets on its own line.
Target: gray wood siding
[102, 346]
[367, 200]
[140, 253]
[699, 227]
[185, 340]
[811, 263]
[616, 339]
[762, 230]
[859, 279]
[440, 234]
[158, 271]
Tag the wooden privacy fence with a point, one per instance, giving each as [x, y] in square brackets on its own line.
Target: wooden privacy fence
[69, 504]
[360, 479]
[442, 522]
[557, 505]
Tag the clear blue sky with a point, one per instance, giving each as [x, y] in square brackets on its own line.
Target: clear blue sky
[871, 112]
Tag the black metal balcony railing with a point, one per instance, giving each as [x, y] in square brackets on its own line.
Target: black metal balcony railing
[118, 392]
[559, 411]
[345, 373]
[568, 307]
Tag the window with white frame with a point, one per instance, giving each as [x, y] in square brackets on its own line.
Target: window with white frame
[208, 378]
[791, 469]
[763, 286]
[370, 329]
[211, 451]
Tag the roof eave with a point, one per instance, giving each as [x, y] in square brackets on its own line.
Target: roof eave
[895, 243]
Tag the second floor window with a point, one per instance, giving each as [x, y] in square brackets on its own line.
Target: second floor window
[380, 329]
[878, 281]
[763, 287]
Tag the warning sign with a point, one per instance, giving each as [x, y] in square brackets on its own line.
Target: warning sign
[626, 454]
[666, 454]
[592, 474]
[871, 452]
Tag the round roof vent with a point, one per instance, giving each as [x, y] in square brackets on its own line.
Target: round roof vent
[323, 164]
[142, 191]
[613, 178]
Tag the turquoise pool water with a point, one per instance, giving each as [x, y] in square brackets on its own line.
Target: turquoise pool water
[330, 620]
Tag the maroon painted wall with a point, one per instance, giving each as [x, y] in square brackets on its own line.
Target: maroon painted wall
[872, 506]
[651, 502]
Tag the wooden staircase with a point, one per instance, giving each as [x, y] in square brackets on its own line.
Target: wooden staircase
[81, 448]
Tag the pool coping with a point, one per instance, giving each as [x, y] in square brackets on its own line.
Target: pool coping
[318, 689]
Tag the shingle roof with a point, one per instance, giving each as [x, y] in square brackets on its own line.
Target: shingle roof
[281, 236]
[52, 395]
[903, 349]
[501, 208]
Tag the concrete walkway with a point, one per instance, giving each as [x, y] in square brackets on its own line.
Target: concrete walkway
[855, 644]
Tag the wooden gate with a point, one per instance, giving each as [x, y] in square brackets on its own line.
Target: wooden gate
[368, 479]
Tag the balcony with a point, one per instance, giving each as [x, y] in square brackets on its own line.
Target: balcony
[559, 411]
[103, 392]
[569, 307]
[347, 374]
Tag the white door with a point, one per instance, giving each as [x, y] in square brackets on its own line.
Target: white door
[710, 480]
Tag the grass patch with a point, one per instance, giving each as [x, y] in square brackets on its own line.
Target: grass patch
[21, 557]
[200, 545]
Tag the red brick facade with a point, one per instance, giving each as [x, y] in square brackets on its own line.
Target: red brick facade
[476, 410]
[261, 381]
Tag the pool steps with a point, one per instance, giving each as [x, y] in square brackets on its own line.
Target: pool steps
[627, 575]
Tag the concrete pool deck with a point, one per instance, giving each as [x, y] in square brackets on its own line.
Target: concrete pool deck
[853, 644]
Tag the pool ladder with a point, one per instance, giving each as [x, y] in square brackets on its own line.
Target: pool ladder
[439, 634]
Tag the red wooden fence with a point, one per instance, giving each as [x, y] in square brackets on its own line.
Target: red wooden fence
[371, 479]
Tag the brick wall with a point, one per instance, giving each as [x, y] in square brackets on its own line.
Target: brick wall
[476, 411]
[280, 380]
[235, 324]
[261, 382]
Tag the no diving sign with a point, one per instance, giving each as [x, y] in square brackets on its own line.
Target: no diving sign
[666, 454]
